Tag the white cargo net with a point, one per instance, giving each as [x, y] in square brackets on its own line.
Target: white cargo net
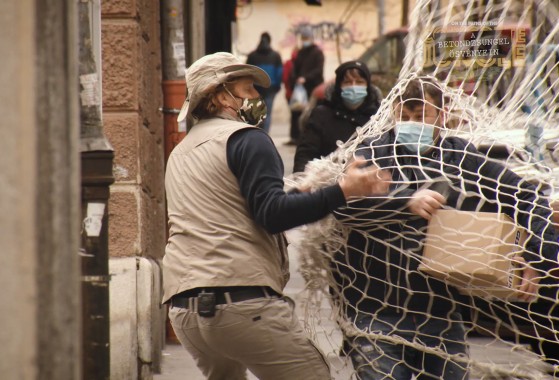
[496, 64]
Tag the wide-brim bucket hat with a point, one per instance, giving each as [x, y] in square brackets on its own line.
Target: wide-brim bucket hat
[204, 75]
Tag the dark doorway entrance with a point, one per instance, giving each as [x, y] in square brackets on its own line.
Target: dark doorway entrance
[219, 16]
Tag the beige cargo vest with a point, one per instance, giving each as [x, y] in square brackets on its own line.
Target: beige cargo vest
[213, 241]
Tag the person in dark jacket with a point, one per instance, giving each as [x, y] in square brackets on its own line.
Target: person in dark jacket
[379, 285]
[270, 61]
[308, 70]
[349, 103]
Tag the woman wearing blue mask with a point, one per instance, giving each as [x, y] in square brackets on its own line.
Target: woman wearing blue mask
[349, 103]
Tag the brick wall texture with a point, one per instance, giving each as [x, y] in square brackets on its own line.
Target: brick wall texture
[133, 124]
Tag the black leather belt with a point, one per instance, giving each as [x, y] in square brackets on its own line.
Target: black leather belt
[236, 294]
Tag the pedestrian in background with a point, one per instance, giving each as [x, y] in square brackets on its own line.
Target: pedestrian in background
[226, 264]
[286, 75]
[270, 61]
[288, 86]
[308, 70]
[348, 103]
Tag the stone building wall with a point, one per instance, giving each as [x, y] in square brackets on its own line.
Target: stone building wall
[133, 124]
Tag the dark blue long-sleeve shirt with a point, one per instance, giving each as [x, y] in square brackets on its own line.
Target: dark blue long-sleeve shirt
[255, 161]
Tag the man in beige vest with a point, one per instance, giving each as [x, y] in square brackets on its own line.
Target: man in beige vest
[226, 264]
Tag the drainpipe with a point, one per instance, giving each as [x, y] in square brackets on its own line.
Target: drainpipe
[174, 65]
[173, 55]
[381, 15]
[97, 175]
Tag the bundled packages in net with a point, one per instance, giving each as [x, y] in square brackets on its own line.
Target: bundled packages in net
[474, 251]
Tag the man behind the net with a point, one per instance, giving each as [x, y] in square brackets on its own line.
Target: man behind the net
[377, 272]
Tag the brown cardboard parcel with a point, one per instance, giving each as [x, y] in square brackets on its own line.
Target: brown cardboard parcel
[473, 251]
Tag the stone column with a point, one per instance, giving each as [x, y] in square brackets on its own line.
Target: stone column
[133, 124]
[39, 202]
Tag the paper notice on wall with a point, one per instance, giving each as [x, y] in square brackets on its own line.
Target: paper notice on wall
[178, 50]
[93, 222]
[180, 57]
[181, 67]
[89, 94]
[182, 126]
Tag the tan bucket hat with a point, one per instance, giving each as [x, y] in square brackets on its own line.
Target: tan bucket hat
[210, 71]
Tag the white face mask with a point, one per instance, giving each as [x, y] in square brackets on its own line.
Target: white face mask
[416, 137]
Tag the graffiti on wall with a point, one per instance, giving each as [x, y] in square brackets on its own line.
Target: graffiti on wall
[326, 32]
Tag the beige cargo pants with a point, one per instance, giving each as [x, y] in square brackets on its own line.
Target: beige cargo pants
[262, 335]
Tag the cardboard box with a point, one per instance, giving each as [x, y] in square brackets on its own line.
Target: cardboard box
[473, 251]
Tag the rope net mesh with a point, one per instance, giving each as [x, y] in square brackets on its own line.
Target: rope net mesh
[386, 288]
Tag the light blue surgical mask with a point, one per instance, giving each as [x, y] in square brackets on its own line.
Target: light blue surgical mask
[306, 43]
[353, 96]
[414, 136]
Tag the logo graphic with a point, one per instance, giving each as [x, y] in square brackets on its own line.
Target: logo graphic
[475, 47]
